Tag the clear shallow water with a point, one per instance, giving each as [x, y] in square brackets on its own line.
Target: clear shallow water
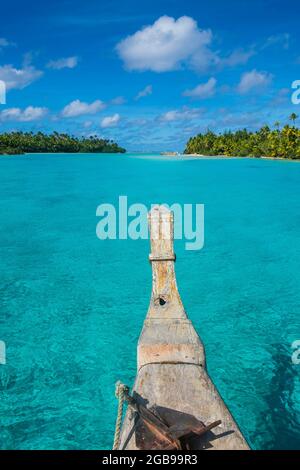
[72, 306]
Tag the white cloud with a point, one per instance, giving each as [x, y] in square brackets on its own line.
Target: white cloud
[145, 92]
[80, 108]
[110, 121]
[183, 114]
[237, 57]
[30, 113]
[170, 44]
[118, 100]
[254, 80]
[167, 45]
[282, 97]
[202, 91]
[5, 43]
[87, 124]
[19, 78]
[67, 62]
[282, 39]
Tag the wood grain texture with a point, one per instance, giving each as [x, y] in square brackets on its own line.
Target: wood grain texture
[185, 389]
[171, 371]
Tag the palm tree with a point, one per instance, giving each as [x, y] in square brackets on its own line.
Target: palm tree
[55, 142]
[277, 124]
[293, 117]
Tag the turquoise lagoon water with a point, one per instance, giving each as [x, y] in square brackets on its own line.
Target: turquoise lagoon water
[72, 306]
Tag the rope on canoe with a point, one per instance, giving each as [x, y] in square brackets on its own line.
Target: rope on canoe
[121, 391]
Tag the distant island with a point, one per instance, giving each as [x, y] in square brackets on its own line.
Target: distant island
[16, 143]
[269, 143]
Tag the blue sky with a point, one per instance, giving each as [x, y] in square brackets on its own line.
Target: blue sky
[148, 74]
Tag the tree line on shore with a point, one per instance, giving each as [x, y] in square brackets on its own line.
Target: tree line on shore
[12, 143]
[266, 142]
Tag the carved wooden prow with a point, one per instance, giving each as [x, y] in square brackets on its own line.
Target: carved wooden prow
[167, 335]
[171, 374]
[165, 299]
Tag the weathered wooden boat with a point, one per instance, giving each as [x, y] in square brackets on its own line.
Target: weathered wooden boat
[174, 404]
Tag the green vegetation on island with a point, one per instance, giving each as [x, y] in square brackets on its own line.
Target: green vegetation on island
[12, 143]
[273, 143]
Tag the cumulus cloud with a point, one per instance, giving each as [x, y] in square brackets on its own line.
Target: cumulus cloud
[63, 63]
[145, 92]
[166, 45]
[19, 78]
[110, 121]
[170, 44]
[183, 114]
[253, 81]
[30, 113]
[202, 91]
[80, 108]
